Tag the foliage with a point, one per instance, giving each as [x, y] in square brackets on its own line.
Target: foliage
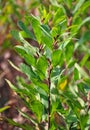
[57, 65]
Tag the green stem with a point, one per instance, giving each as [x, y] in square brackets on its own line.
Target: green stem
[49, 85]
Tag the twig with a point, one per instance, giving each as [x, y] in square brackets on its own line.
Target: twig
[49, 85]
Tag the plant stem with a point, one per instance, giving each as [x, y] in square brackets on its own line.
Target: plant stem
[49, 85]
[49, 108]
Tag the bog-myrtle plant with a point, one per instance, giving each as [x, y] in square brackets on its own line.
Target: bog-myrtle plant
[56, 86]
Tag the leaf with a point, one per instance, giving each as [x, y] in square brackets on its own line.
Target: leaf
[41, 86]
[56, 57]
[37, 108]
[27, 54]
[24, 126]
[84, 21]
[69, 51]
[33, 76]
[81, 71]
[82, 9]
[28, 71]
[36, 27]
[26, 30]
[54, 2]
[14, 66]
[79, 4]
[84, 59]
[4, 108]
[59, 16]
[62, 85]
[42, 65]
[46, 37]
[56, 72]
[83, 119]
[28, 117]
[15, 34]
[85, 38]
[66, 42]
[11, 85]
[76, 74]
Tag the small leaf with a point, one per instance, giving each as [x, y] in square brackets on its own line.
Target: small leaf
[27, 54]
[24, 126]
[42, 65]
[14, 66]
[62, 85]
[26, 30]
[28, 117]
[28, 71]
[79, 4]
[82, 72]
[76, 74]
[11, 85]
[37, 108]
[4, 108]
[36, 27]
[85, 38]
[56, 57]
[83, 22]
[15, 34]
[46, 37]
[84, 59]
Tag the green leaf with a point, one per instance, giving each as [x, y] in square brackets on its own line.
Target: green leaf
[69, 51]
[27, 54]
[46, 36]
[26, 30]
[66, 42]
[84, 21]
[84, 59]
[37, 108]
[41, 85]
[83, 119]
[54, 31]
[79, 4]
[24, 126]
[82, 9]
[56, 57]
[15, 34]
[12, 86]
[36, 27]
[33, 76]
[76, 74]
[28, 117]
[42, 65]
[54, 2]
[28, 71]
[4, 108]
[81, 71]
[85, 38]
[59, 16]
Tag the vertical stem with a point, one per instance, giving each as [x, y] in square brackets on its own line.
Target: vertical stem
[49, 85]
[49, 108]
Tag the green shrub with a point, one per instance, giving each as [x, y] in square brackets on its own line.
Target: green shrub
[57, 66]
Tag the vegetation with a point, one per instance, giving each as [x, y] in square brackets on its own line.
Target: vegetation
[54, 46]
